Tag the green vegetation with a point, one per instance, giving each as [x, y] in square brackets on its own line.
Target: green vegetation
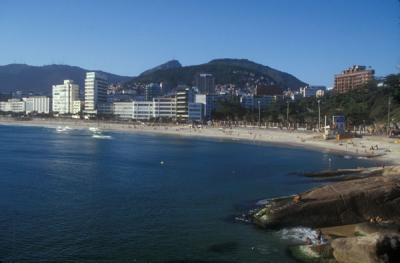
[364, 106]
[239, 72]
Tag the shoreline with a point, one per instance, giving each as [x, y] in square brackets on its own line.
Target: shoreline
[388, 152]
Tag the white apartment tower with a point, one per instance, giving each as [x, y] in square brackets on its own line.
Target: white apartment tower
[64, 97]
[95, 92]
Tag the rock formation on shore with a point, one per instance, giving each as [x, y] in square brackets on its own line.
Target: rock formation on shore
[377, 247]
[340, 203]
[373, 196]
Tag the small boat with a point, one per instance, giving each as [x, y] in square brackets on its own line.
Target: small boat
[63, 129]
[93, 129]
[101, 136]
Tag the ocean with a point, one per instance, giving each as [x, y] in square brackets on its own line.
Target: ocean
[69, 197]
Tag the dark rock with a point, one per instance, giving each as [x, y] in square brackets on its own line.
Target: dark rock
[374, 248]
[194, 261]
[312, 253]
[340, 203]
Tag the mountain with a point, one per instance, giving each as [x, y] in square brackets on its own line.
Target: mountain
[39, 79]
[172, 64]
[241, 72]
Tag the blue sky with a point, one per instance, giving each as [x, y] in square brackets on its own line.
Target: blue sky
[311, 39]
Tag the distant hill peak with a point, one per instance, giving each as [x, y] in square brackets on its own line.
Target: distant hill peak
[230, 60]
[167, 65]
[237, 62]
[39, 79]
[240, 72]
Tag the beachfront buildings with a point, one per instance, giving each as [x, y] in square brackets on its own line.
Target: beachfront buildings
[65, 97]
[5, 106]
[123, 110]
[158, 108]
[164, 108]
[95, 93]
[76, 106]
[184, 95]
[12, 105]
[152, 91]
[252, 102]
[210, 102]
[247, 101]
[37, 104]
[205, 83]
[353, 78]
[195, 112]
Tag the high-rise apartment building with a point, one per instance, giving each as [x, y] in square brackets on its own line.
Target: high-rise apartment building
[205, 83]
[95, 92]
[353, 78]
[184, 96]
[64, 96]
[38, 104]
[152, 91]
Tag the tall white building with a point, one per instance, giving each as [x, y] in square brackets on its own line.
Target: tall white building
[184, 95]
[64, 97]
[95, 92]
[38, 104]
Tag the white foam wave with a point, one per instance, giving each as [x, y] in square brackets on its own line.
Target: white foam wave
[299, 234]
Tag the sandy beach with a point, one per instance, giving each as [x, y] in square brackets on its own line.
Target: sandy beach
[385, 151]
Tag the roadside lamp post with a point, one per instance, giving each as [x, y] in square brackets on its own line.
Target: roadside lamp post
[287, 115]
[388, 118]
[259, 114]
[319, 115]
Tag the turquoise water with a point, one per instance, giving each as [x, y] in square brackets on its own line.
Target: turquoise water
[68, 197]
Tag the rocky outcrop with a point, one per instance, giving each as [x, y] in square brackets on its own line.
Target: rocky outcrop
[340, 203]
[374, 248]
[349, 174]
[312, 253]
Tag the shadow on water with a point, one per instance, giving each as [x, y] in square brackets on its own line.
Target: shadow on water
[193, 261]
[225, 247]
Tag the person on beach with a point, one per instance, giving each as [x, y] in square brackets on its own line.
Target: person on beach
[319, 237]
